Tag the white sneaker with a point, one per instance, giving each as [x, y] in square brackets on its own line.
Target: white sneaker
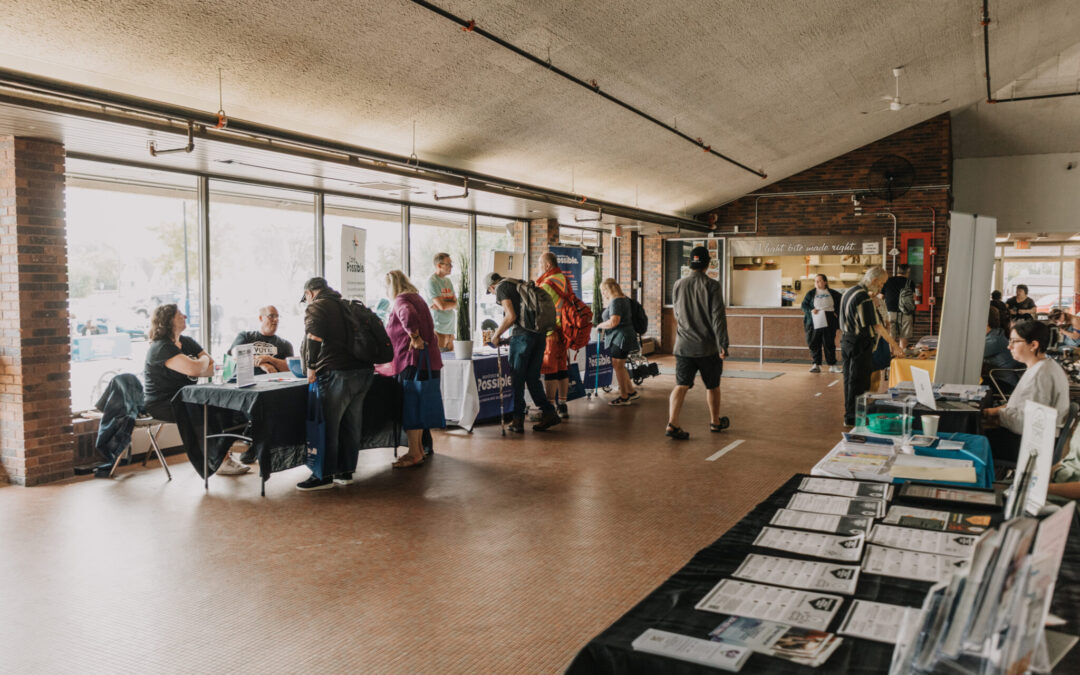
[231, 467]
[836, 369]
[815, 368]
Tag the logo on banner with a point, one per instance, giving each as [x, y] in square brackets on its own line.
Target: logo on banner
[599, 360]
[489, 382]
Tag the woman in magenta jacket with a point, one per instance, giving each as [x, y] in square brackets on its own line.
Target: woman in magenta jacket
[412, 332]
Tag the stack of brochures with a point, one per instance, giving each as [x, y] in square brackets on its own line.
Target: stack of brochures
[918, 467]
[800, 645]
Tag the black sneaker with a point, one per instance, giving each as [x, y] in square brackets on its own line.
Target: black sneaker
[343, 478]
[564, 412]
[634, 396]
[314, 483]
[249, 456]
[551, 418]
[517, 425]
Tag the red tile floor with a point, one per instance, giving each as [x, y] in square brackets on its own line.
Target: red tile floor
[500, 556]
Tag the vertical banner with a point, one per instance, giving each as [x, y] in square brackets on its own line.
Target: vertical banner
[569, 260]
[353, 244]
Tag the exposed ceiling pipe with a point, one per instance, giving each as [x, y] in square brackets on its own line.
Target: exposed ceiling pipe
[154, 152]
[985, 22]
[72, 99]
[469, 26]
[460, 196]
[895, 250]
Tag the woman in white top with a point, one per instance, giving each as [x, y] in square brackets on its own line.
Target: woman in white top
[1044, 382]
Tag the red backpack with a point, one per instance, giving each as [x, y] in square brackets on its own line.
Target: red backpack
[575, 318]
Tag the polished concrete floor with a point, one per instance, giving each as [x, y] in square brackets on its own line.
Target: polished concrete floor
[499, 556]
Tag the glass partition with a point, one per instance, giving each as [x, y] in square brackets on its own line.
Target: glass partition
[492, 234]
[262, 250]
[130, 249]
[381, 224]
[432, 232]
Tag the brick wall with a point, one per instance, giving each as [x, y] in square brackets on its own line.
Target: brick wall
[927, 146]
[36, 439]
[543, 233]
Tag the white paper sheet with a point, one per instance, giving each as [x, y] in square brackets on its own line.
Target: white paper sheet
[694, 650]
[837, 506]
[893, 562]
[1040, 430]
[245, 365]
[822, 522]
[924, 388]
[815, 576]
[873, 621]
[845, 488]
[925, 541]
[819, 545]
[805, 609]
[820, 319]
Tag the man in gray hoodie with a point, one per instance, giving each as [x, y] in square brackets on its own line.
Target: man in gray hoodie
[701, 342]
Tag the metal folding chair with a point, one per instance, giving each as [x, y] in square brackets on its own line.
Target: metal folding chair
[153, 428]
[997, 385]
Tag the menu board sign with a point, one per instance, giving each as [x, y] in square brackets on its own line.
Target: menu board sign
[843, 245]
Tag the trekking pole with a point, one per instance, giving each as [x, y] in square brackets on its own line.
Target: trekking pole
[596, 368]
[502, 415]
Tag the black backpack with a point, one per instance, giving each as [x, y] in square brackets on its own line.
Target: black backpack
[638, 318]
[537, 307]
[366, 335]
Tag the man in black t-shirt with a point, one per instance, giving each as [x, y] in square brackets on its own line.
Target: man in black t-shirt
[526, 356]
[269, 349]
[1021, 307]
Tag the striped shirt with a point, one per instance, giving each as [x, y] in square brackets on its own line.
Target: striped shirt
[857, 315]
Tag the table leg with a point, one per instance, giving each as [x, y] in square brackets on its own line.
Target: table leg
[263, 480]
[205, 450]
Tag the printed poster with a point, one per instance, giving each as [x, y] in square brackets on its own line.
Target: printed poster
[569, 260]
[353, 246]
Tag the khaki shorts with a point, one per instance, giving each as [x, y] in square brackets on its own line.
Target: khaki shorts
[446, 341]
[901, 326]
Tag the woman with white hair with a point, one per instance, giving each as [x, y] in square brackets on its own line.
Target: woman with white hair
[861, 328]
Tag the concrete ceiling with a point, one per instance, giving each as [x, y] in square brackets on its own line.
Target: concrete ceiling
[775, 84]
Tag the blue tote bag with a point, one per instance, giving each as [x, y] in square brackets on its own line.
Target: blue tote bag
[422, 405]
[316, 431]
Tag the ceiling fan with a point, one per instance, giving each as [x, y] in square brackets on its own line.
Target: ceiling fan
[895, 104]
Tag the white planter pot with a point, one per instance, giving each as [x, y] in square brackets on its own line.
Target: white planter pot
[463, 350]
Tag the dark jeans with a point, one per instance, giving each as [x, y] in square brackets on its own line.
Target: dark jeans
[343, 393]
[526, 356]
[161, 410]
[823, 341]
[858, 358]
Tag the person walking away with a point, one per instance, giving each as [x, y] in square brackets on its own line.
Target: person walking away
[859, 326]
[343, 381]
[899, 292]
[1044, 382]
[443, 301]
[1021, 307]
[412, 333]
[556, 364]
[619, 338]
[701, 342]
[526, 355]
[819, 307]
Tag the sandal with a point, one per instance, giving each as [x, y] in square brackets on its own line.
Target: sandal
[724, 424]
[676, 433]
[406, 463]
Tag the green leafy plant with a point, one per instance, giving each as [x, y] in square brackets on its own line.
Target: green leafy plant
[464, 329]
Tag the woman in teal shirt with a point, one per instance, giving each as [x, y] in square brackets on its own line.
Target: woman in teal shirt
[620, 338]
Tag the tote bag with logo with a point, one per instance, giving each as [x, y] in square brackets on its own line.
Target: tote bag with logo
[422, 405]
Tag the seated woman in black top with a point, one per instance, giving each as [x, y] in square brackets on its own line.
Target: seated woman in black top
[173, 361]
[1021, 307]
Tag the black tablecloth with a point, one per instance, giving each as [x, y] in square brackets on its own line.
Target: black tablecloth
[671, 607]
[965, 420]
[276, 411]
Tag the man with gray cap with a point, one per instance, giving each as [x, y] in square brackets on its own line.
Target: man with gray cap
[858, 321]
[343, 381]
[526, 356]
[701, 342]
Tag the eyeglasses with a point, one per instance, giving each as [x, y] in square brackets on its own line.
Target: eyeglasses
[271, 316]
[1013, 341]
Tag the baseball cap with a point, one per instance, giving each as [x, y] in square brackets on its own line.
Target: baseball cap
[491, 278]
[314, 284]
[699, 258]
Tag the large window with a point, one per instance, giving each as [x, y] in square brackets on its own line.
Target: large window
[432, 232]
[262, 250]
[381, 224]
[491, 235]
[130, 249]
[1048, 270]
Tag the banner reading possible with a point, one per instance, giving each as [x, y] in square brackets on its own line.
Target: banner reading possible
[569, 260]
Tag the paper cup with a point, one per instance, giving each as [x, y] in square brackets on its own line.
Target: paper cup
[929, 424]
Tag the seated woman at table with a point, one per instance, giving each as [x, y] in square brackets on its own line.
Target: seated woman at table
[619, 337]
[174, 361]
[997, 359]
[412, 332]
[1068, 326]
[1044, 382]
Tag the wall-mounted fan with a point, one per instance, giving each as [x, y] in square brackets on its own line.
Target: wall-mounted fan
[895, 104]
[890, 177]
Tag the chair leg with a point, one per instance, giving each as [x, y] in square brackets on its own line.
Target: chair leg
[153, 433]
[116, 462]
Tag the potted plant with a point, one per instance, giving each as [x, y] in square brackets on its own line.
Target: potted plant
[463, 346]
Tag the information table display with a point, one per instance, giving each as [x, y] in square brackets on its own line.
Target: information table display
[858, 617]
[471, 389]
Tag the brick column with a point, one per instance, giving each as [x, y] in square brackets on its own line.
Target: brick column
[36, 439]
[652, 285]
[543, 232]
